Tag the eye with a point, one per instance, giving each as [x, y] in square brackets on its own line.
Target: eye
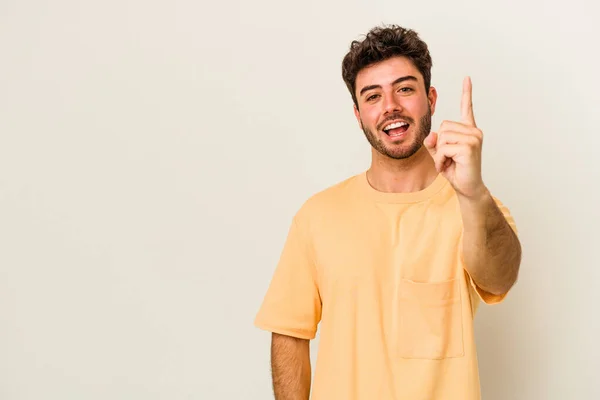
[372, 97]
[405, 90]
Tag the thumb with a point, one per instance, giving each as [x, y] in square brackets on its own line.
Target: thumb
[430, 142]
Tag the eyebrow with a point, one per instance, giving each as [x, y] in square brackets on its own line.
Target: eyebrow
[401, 79]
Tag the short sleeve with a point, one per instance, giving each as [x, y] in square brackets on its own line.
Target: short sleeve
[292, 304]
[486, 297]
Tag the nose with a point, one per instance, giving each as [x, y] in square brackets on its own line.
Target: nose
[391, 104]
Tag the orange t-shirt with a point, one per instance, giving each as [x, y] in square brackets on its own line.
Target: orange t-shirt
[381, 274]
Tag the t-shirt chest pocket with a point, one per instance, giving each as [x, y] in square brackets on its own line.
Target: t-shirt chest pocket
[430, 320]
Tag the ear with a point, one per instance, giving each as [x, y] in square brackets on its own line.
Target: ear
[357, 115]
[432, 98]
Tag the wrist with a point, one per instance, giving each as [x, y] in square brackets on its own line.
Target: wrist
[479, 196]
[475, 208]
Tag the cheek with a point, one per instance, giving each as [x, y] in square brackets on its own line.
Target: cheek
[416, 108]
[370, 118]
[422, 107]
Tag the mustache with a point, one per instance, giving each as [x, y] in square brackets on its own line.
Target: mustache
[393, 117]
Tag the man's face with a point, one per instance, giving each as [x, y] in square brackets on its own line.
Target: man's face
[394, 111]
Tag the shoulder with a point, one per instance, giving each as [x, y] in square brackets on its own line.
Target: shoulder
[330, 199]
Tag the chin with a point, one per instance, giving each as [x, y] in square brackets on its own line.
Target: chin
[403, 151]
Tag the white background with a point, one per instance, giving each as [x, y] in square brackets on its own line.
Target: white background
[152, 155]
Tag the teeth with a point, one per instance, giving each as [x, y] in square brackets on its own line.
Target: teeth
[394, 125]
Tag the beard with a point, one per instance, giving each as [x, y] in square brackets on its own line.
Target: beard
[399, 152]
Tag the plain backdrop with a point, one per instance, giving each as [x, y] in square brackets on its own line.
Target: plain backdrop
[153, 153]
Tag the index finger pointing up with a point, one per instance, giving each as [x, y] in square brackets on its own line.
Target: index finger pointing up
[466, 106]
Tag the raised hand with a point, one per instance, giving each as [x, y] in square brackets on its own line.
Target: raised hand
[456, 148]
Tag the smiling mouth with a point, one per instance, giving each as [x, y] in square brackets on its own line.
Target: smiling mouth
[396, 128]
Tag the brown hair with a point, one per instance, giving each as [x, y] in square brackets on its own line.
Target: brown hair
[382, 43]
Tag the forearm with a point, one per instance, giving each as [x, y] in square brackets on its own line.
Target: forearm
[290, 365]
[491, 249]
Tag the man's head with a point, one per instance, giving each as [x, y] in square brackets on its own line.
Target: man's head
[388, 75]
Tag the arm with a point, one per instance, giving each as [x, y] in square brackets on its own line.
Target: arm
[290, 364]
[491, 249]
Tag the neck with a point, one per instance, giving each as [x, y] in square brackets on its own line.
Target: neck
[402, 176]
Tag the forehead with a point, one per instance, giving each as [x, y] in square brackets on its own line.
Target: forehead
[385, 72]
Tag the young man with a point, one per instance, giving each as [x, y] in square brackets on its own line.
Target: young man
[392, 262]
